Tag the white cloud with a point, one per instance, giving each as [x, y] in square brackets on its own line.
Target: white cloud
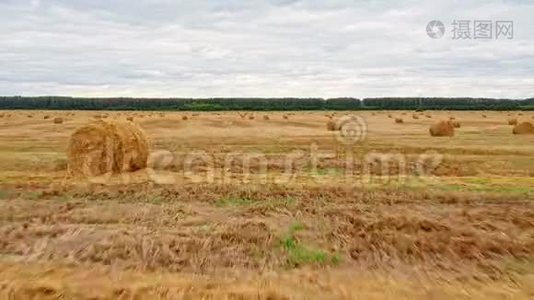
[165, 48]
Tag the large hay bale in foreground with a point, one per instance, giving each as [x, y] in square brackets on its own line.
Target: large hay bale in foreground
[58, 120]
[512, 121]
[524, 128]
[107, 147]
[442, 128]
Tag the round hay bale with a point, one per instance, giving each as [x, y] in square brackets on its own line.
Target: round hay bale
[524, 128]
[107, 147]
[130, 118]
[456, 124]
[46, 117]
[286, 117]
[58, 120]
[266, 117]
[415, 117]
[512, 122]
[442, 128]
[184, 118]
[390, 116]
[484, 116]
[251, 117]
[428, 116]
[399, 120]
[30, 116]
[331, 125]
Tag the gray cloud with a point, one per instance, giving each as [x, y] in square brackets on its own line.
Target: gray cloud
[260, 48]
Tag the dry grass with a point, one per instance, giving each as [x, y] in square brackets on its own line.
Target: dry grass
[466, 232]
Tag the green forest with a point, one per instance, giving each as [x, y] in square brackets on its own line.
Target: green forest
[265, 104]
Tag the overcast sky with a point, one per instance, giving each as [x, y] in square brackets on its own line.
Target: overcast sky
[277, 48]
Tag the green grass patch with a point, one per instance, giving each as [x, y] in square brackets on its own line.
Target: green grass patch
[299, 255]
[246, 202]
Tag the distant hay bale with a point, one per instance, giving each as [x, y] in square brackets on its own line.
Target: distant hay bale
[251, 117]
[242, 115]
[415, 117]
[266, 117]
[2, 116]
[519, 114]
[399, 120]
[130, 118]
[456, 124]
[428, 116]
[331, 125]
[452, 118]
[184, 118]
[524, 128]
[195, 115]
[286, 117]
[46, 117]
[58, 120]
[390, 116]
[484, 116]
[442, 128]
[512, 121]
[107, 147]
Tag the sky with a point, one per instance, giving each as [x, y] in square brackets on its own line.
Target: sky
[276, 48]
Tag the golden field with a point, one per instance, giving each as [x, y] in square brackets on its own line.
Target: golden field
[273, 206]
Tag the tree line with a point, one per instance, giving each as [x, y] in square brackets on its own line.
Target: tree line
[266, 104]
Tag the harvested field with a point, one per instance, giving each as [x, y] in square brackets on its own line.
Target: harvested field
[217, 215]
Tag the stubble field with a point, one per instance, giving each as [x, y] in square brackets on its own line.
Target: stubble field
[272, 206]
